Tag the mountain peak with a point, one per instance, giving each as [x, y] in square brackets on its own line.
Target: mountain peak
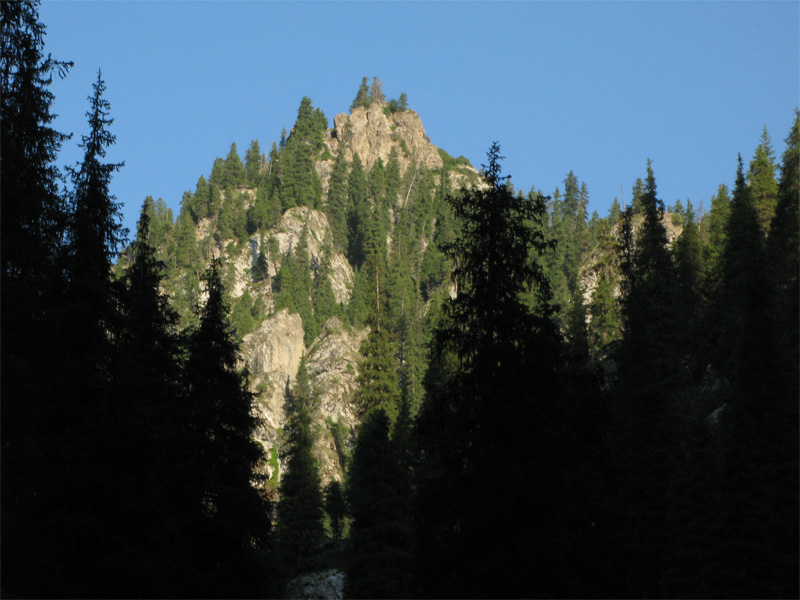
[375, 131]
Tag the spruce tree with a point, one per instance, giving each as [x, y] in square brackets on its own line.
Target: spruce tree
[229, 523]
[362, 96]
[151, 460]
[605, 325]
[761, 180]
[488, 421]
[300, 508]
[253, 163]
[377, 374]
[359, 219]
[688, 279]
[336, 204]
[31, 287]
[233, 170]
[336, 508]
[381, 532]
[758, 422]
[299, 183]
[649, 369]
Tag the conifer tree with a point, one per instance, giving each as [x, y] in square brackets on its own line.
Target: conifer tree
[336, 204]
[376, 91]
[86, 476]
[335, 507]
[253, 163]
[230, 521]
[758, 423]
[217, 177]
[605, 325]
[649, 370]
[233, 171]
[359, 219]
[783, 246]
[688, 279]
[380, 534]
[299, 183]
[362, 96]
[31, 286]
[377, 379]
[475, 421]
[147, 387]
[324, 300]
[300, 508]
[295, 287]
[761, 180]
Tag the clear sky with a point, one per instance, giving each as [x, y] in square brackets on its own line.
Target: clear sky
[593, 87]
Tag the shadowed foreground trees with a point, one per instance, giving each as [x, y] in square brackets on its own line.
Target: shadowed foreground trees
[491, 453]
[129, 467]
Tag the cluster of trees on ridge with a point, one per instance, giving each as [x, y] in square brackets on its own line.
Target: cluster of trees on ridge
[507, 462]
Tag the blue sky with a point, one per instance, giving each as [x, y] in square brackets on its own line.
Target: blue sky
[597, 88]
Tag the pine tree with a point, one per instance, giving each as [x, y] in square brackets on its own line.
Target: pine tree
[300, 508]
[230, 521]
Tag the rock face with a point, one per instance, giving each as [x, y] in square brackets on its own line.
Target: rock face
[332, 368]
[272, 355]
[315, 223]
[372, 134]
[320, 584]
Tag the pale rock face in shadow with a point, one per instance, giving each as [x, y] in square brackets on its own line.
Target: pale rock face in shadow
[272, 356]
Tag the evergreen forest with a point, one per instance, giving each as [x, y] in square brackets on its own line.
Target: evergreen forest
[530, 401]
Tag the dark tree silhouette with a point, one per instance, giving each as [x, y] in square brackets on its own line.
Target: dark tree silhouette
[230, 522]
[380, 534]
[31, 285]
[488, 419]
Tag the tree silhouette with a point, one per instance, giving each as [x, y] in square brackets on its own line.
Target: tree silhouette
[230, 522]
[31, 287]
[484, 420]
[380, 534]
